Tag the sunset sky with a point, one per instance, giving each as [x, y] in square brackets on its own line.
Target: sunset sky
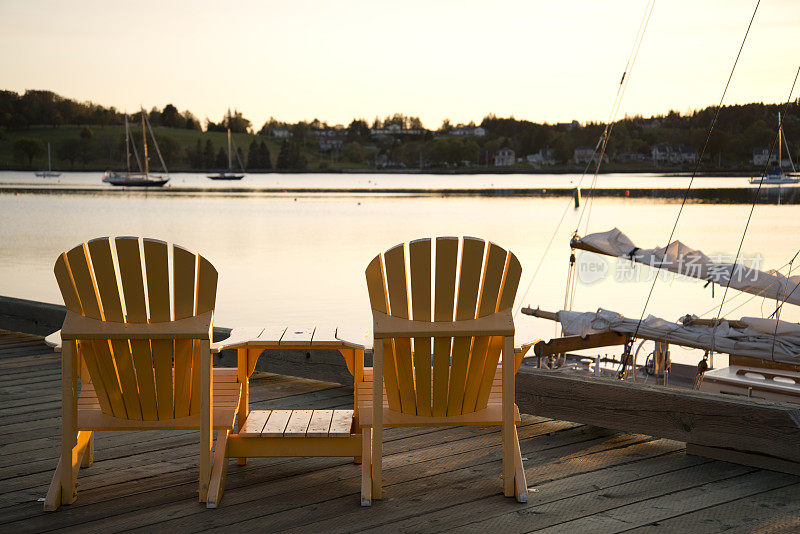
[539, 60]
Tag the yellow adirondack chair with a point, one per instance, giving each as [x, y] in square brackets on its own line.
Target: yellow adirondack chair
[143, 358]
[454, 380]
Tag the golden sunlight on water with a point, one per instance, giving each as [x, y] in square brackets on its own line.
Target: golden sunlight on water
[299, 260]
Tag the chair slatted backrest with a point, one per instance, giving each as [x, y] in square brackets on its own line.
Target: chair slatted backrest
[450, 280]
[128, 280]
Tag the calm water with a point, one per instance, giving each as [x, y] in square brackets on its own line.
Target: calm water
[299, 259]
[84, 180]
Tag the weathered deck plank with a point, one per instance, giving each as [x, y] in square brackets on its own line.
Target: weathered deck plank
[587, 478]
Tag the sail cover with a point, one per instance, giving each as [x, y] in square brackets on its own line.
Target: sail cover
[682, 259]
[755, 340]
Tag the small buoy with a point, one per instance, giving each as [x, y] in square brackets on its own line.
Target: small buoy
[627, 193]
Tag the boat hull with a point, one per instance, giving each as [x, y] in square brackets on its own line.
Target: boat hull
[123, 180]
[140, 183]
[774, 181]
[225, 176]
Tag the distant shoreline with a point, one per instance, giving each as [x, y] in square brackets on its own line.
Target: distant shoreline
[666, 172]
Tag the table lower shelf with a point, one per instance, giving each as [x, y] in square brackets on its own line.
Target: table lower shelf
[298, 424]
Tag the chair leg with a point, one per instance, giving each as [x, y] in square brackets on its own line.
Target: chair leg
[376, 453]
[366, 467]
[244, 399]
[68, 479]
[376, 459]
[509, 461]
[520, 483]
[75, 457]
[205, 473]
[355, 427]
[509, 429]
[88, 455]
[66, 494]
[52, 501]
[218, 470]
[206, 419]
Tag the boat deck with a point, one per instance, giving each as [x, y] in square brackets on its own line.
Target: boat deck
[582, 478]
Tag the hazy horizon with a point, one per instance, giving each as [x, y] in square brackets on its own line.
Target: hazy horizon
[458, 60]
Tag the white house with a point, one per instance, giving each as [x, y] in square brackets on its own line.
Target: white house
[395, 129]
[683, 155]
[330, 143]
[761, 154]
[629, 157]
[504, 157]
[586, 154]
[281, 133]
[474, 131]
[569, 126]
[545, 156]
[660, 153]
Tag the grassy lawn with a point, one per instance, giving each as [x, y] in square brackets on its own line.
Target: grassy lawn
[107, 148]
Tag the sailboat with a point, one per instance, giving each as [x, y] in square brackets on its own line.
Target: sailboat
[777, 177]
[49, 173]
[228, 173]
[143, 178]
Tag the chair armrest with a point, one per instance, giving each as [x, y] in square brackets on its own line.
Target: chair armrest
[54, 341]
[522, 350]
[79, 327]
[239, 338]
[497, 324]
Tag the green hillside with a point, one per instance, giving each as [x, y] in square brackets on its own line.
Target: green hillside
[106, 149]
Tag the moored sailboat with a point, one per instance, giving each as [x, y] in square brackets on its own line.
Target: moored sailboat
[49, 173]
[777, 177]
[228, 173]
[143, 178]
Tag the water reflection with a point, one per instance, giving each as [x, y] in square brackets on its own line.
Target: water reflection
[300, 259]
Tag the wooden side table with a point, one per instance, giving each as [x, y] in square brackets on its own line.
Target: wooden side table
[270, 433]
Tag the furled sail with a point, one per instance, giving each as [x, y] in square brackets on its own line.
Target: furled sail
[750, 336]
[682, 259]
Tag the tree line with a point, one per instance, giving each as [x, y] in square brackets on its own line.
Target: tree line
[46, 108]
[397, 140]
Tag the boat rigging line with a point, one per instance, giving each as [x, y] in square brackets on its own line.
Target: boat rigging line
[777, 312]
[623, 84]
[778, 308]
[155, 143]
[760, 293]
[694, 173]
[601, 144]
[750, 216]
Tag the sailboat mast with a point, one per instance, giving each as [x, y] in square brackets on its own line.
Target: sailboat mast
[230, 164]
[780, 144]
[127, 146]
[144, 143]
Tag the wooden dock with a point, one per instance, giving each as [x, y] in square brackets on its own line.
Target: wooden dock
[582, 478]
